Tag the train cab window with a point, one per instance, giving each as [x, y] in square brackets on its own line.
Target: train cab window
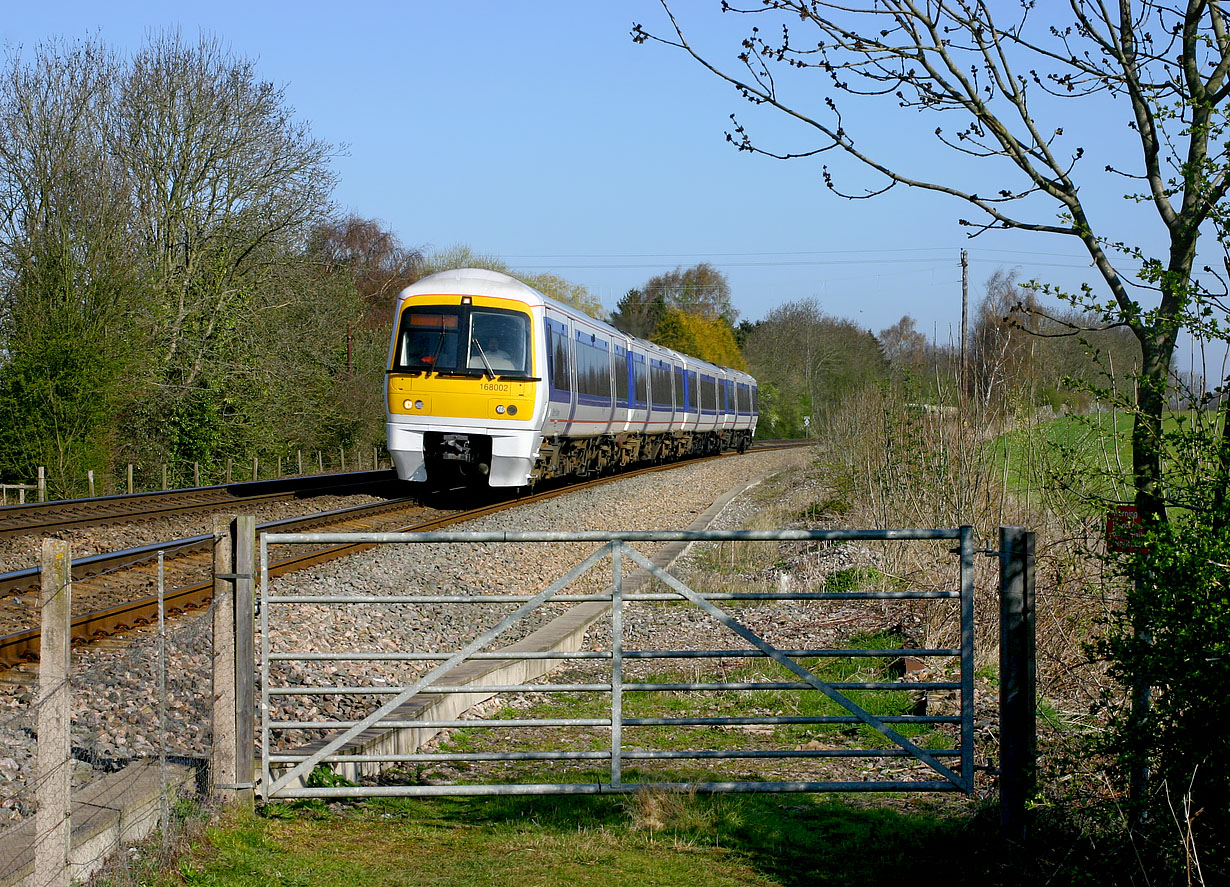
[463, 340]
[427, 339]
[499, 341]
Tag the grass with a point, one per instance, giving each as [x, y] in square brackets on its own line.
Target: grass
[1088, 454]
[654, 839]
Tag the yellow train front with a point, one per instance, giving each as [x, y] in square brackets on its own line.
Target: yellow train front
[492, 383]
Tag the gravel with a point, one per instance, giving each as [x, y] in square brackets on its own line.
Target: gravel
[114, 682]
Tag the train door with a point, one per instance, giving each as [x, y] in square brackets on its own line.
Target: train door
[708, 403]
[621, 372]
[690, 399]
[681, 420]
[639, 372]
[661, 400]
[561, 399]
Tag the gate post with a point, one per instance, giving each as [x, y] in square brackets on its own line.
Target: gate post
[234, 659]
[245, 656]
[222, 764]
[1018, 736]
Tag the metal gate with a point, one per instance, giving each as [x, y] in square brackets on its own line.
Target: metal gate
[285, 770]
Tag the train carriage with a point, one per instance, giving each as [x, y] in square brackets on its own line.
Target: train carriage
[492, 383]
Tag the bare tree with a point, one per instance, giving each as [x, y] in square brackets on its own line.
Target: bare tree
[1164, 66]
[902, 344]
[225, 183]
[371, 256]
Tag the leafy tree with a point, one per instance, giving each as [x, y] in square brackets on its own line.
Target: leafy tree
[225, 184]
[709, 339]
[812, 359]
[68, 292]
[638, 314]
[701, 290]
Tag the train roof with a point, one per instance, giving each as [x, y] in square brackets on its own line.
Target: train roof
[462, 281]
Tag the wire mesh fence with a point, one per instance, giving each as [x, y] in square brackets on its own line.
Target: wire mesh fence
[138, 721]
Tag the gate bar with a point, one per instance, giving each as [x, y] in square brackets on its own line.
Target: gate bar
[846, 703]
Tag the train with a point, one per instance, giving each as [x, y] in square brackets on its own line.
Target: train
[491, 383]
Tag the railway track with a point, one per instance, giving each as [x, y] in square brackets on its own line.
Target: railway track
[43, 517]
[117, 591]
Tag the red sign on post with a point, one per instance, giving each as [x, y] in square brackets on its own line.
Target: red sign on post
[1124, 534]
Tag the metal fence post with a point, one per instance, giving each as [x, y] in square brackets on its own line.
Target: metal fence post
[967, 658]
[52, 822]
[1018, 741]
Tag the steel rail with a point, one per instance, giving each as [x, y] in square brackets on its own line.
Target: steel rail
[41, 517]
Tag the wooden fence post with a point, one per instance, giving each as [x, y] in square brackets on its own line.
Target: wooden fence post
[130, 487]
[232, 752]
[90, 477]
[245, 658]
[42, 484]
[52, 823]
[222, 764]
[196, 474]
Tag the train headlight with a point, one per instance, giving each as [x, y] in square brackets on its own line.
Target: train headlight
[408, 404]
[512, 409]
[500, 409]
[418, 404]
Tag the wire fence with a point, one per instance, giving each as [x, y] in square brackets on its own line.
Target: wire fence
[137, 729]
[147, 476]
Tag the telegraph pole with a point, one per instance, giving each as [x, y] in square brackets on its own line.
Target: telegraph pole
[964, 318]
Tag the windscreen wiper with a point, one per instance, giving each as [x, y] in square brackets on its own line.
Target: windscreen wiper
[482, 354]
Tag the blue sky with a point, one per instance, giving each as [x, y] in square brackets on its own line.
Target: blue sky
[538, 132]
